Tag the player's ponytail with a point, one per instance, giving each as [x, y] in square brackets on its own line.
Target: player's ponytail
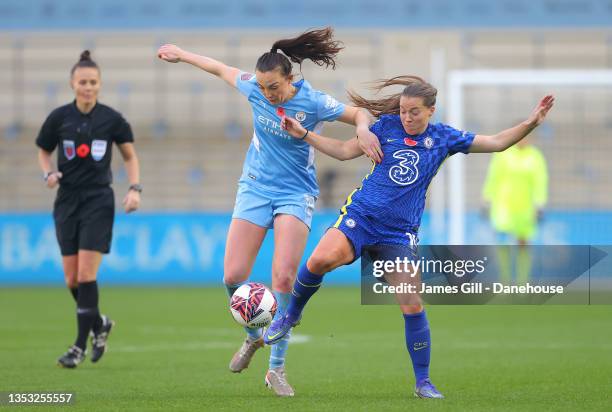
[85, 61]
[315, 45]
[414, 87]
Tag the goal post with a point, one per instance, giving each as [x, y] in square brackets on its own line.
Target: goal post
[457, 81]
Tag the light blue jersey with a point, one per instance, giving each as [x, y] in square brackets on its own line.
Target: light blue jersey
[276, 162]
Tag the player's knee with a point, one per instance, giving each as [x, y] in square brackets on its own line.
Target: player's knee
[412, 309]
[86, 275]
[71, 280]
[233, 274]
[283, 276]
[322, 262]
[283, 284]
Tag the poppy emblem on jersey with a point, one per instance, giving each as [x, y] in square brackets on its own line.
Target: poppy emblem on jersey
[428, 142]
[280, 111]
[82, 150]
[409, 142]
[246, 76]
[350, 223]
[98, 149]
[300, 116]
[69, 151]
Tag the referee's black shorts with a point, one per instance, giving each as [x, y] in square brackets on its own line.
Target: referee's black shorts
[84, 219]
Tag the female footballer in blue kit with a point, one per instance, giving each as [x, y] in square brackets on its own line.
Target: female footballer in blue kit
[387, 209]
[278, 186]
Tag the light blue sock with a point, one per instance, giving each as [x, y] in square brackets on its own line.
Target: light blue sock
[279, 350]
[253, 334]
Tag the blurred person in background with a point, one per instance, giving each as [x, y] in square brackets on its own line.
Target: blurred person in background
[515, 193]
[278, 187]
[384, 214]
[83, 132]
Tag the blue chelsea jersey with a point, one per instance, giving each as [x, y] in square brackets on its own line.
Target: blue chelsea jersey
[393, 194]
[275, 161]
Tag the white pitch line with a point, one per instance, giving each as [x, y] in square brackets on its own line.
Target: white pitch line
[193, 346]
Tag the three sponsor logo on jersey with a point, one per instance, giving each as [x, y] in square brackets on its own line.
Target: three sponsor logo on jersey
[405, 172]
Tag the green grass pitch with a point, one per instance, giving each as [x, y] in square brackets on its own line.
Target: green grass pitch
[171, 347]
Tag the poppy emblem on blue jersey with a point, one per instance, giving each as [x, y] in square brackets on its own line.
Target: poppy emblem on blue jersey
[69, 151]
[300, 116]
[428, 142]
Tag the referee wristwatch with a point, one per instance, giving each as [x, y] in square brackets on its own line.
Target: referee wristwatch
[137, 187]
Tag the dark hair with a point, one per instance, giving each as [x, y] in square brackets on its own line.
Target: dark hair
[415, 87]
[316, 45]
[84, 61]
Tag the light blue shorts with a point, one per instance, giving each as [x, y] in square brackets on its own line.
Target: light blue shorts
[260, 208]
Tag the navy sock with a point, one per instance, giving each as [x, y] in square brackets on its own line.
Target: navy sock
[306, 285]
[75, 293]
[87, 311]
[418, 342]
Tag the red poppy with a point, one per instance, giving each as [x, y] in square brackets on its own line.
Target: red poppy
[83, 150]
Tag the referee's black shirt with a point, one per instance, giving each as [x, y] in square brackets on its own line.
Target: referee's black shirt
[85, 143]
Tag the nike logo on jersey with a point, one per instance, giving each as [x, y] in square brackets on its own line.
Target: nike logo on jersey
[391, 140]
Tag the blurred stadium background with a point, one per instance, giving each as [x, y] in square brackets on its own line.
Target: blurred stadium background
[171, 345]
[192, 130]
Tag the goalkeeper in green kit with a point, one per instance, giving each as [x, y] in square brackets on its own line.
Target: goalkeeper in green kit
[516, 190]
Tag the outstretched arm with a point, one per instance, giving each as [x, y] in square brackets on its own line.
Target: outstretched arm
[338, 149]
[174, 54]
[506, 138]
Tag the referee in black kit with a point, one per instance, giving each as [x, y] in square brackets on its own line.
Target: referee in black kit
[84, 209]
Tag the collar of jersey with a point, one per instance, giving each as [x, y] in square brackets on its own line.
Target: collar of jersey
[74, 106]
[416, 136]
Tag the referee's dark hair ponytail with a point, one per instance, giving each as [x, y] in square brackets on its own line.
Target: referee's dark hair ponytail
[316, 45]
[414, 87]
[84, 61]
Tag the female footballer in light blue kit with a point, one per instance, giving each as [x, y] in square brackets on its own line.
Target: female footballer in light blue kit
[387, 209]
[278, 186]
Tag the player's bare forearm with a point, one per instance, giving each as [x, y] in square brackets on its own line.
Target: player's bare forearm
[509, 137]
[506, 138]
[44, 160]
[211, 66]
[338, 149]
[132, 165]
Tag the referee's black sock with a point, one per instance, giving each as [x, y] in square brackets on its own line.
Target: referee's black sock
[87, 311]
[75, 293]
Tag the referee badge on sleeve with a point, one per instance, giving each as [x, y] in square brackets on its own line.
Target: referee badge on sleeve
[98, 149]
[69, 151]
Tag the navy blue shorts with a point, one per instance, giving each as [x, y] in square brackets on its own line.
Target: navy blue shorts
[363, 231]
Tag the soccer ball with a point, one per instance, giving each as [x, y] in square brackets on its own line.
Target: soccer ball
[253, 305]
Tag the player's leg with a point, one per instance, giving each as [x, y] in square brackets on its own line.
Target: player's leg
[334, 250]
[66, 230]
[97, 215]
[416, 331]
[88, 263]
[244, 240]
[70, 264]
[290, 235]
